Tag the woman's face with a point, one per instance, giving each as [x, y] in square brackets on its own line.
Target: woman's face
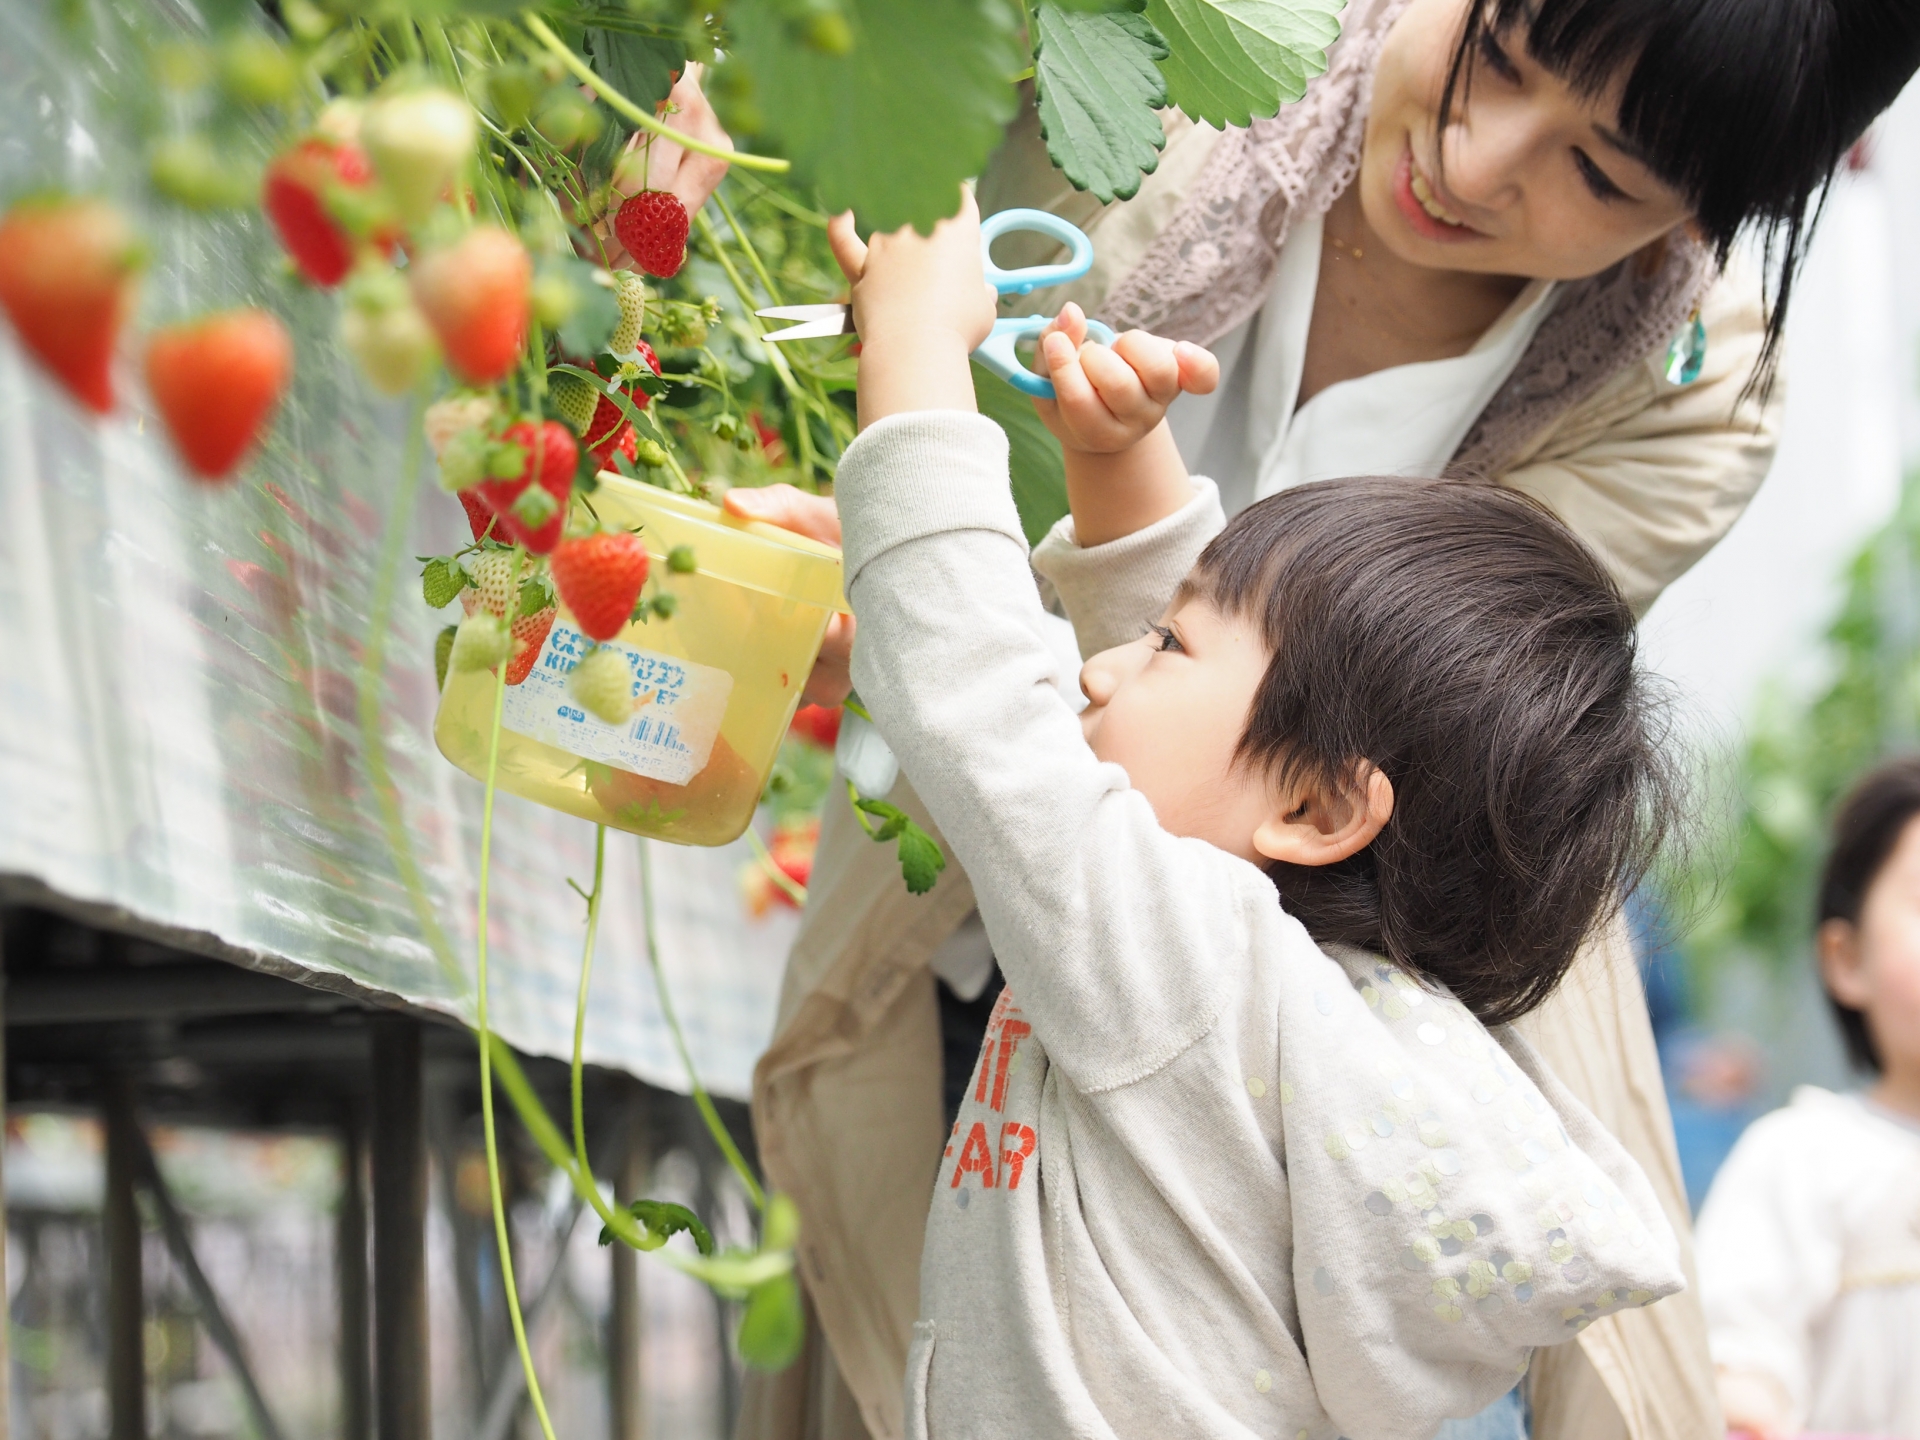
[1529, 179]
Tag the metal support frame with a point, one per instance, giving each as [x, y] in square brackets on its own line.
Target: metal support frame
[350, 1246]
[213, 1316]
[402, 1398]
[126, 1305]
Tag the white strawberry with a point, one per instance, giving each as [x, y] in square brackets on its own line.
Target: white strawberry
[418, 139]
[455, 416]
[490, 572]
[481, 642]
[603, 682]
[631, 292]
[574, 398]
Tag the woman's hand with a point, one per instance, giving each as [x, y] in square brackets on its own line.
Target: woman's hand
[921, 304]
[1107, 399]
[655, 164]
[815, 517]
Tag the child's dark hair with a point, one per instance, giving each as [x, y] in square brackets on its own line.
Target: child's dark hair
[1459, 638]
[1745, 107]
[1867, 826]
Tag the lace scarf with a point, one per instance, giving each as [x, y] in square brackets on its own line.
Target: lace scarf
[1211, 267]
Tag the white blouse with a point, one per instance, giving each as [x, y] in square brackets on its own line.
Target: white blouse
[1809, 1253]
[1408, 420]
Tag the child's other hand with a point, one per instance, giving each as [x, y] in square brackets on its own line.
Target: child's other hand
[1109, 399]
[922, 305]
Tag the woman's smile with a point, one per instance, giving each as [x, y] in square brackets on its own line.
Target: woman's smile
[1419, 201]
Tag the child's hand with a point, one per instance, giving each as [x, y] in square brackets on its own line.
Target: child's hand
[921, 304]
[1109, 399]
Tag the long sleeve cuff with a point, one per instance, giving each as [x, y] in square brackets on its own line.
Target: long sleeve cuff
[1112, 592]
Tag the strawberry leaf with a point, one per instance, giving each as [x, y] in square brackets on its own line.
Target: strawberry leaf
[534, 597]
[920, 859]
[890, 127]
[773, 1329]
[1232, 60]
[1098, 88]
[662, 1219]
[640, 67]
[1033, 455]
[440, 581]
[588, 329]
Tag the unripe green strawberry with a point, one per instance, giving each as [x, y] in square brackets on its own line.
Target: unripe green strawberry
[631, 293]
[490, 572]
[456, 415]
[482, 642]
[385, 332]
[574, 398]
[603, 683]
[418, 140]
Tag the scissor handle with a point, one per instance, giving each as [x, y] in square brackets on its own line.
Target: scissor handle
[1033, 277]
[997, 354]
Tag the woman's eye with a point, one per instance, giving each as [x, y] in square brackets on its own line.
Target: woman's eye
[1496, 57]
[1168, 640]
[1596, 178]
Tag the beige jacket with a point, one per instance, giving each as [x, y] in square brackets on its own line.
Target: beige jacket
[847, 1098]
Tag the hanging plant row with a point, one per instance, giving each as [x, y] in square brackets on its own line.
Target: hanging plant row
[489, 190]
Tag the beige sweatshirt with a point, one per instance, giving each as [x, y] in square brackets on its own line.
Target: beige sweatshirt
[1199, 1148]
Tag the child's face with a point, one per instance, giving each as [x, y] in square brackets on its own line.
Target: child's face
[1170, 709]
[1874, 966]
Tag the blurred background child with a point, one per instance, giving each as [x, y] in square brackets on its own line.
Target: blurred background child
[1809, 1243]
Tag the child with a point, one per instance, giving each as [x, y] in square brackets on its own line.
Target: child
[1234, 1160]
[1809, 1242]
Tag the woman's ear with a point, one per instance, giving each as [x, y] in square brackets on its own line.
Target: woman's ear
[1841, 963]
[1315, 824]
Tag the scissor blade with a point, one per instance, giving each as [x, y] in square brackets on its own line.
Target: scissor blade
[821, 320]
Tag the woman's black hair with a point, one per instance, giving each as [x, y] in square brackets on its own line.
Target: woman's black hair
[1461, 640]
[1866, 828]
[1744, 107]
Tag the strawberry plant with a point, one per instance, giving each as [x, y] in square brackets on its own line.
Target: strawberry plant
[498, 210]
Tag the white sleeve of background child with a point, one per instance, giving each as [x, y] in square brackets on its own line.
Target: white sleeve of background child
[1768, 1245]
[1110, 930]
[1112, 592]
[1454, 1207]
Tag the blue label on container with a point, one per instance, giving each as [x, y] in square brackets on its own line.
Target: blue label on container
[678, 706]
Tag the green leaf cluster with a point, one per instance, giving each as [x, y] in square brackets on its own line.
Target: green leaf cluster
[662, 1220]
[920, 859]
[1752, 892]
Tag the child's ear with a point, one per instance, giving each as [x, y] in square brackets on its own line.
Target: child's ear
[1315, 824]
[1841, 963]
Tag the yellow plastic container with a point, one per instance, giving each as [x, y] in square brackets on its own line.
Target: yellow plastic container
[717, 683]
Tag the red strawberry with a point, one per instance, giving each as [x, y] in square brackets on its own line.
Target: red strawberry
[480, 516]
[552, 457]
[625, 442]
[818, 724]
[529, 634]
[67, 272]
[653, 227]
[476, 295]
[295, 199]
[215, 380]
[598, 577]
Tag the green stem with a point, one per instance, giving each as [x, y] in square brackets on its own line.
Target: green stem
[700, 1097]
[853, 803]
[792, 888]
[501, 1235]
[564, 54]
[774, 357]
[373, 654]
[590, 1190]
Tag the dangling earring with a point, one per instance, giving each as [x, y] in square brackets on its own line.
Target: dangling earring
[1688, 352]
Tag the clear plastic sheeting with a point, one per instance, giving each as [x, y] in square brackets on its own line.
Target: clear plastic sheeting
[181, 737]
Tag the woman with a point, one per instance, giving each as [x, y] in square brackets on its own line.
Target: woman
[1491, 239]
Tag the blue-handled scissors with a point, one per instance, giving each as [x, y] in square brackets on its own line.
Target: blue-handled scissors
[997, 353]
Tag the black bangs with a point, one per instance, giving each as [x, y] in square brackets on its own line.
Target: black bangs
[1745, 107]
